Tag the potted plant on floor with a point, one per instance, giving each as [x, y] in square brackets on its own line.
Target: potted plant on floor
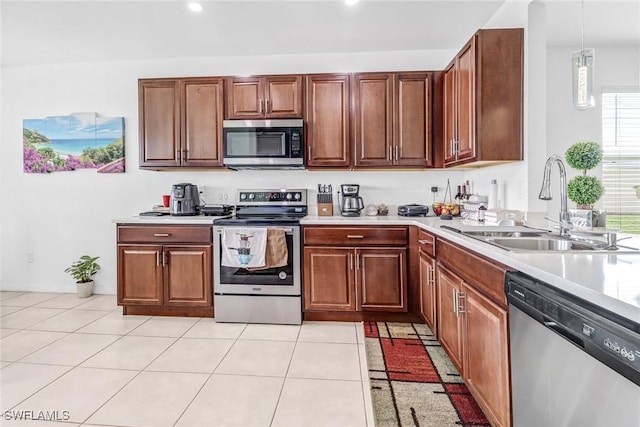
[585, 190]
[83, 270]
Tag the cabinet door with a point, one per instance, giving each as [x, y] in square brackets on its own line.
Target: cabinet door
[412, 118]
[245, 98]
[283, 96]
[140, 275]
[187, 275]
[202, 118]
[450, 114]
[382, 279]
[450, 322]
[328, 136]
[466, 89]
[486, 366]
[329, 279]
[159, 122]
[428, 290]
[373, 95]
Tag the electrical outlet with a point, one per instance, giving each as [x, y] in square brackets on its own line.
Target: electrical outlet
[29, 257]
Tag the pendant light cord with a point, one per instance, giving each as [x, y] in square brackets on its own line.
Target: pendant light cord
[582, 30]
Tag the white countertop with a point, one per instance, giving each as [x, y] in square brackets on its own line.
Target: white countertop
[609, 280]
[167, 219]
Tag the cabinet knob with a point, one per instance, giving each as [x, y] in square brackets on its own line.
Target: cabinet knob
[161, 234]
[354, 236]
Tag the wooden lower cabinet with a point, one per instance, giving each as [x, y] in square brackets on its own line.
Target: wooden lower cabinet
[473, 324]
[139, 275]
[165, 279]
[187, 276]
[486, 358]
[329, 279]
[428, 290]
[355, 279]
[450, 322]
[381, 279]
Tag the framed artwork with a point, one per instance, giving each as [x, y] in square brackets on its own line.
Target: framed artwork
[77, 141]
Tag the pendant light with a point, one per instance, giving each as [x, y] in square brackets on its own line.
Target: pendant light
[582, 63]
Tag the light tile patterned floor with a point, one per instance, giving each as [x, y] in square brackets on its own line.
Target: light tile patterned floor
[60, 353]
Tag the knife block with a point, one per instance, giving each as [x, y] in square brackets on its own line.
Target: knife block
[325, 209]
[325, 204]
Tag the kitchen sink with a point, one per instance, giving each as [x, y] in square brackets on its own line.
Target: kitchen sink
[503, 233]
[544, 244]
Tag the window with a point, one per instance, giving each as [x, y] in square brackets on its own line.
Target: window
[621, 160]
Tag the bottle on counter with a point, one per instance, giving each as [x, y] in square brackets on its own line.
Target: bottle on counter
[481, 210]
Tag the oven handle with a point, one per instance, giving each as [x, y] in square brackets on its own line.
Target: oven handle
[286, 230]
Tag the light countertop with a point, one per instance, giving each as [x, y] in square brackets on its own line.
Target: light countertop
[608, 279]
[167, 219]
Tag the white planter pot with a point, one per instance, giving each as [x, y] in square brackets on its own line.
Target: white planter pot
[84, 289]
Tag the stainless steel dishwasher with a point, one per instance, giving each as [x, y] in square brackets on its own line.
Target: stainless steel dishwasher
[572, 363]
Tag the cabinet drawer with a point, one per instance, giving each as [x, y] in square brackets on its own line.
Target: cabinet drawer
[164, 234]
[426, 243]
[356, 236]
[485, 276]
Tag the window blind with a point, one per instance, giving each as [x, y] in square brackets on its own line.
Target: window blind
[621, 157]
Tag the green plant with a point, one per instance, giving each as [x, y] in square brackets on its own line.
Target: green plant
[83, 269]
[584, 155]
[584, 190]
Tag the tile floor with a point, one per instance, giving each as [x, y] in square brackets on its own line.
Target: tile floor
[95, 367]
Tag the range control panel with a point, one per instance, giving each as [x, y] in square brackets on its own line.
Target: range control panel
[272, 197]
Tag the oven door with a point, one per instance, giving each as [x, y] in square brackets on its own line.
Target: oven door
[283, 280]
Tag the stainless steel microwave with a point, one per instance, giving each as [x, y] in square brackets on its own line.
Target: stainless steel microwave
[261, 144]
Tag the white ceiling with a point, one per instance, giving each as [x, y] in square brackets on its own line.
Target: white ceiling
[54, 31]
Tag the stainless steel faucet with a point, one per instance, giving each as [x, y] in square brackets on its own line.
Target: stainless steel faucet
[545, 192]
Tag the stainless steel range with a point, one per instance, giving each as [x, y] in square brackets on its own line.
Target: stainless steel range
[266, 224]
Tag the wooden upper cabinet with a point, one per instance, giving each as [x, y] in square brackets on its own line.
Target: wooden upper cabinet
[202, 118]
[159, 117]
[373, 113]
[392, 119]
[327, 114]
[483, 100]
[412, 118]
[264, 97]
[180, 122]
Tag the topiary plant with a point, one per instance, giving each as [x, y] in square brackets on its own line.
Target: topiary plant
[584, 190]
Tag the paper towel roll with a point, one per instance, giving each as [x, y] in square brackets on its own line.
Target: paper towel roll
[493, 194]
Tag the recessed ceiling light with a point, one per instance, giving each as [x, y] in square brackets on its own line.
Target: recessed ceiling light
[196, 7]
[351, 2]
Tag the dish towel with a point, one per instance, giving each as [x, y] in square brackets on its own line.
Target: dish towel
[276, 254]
[244, 247]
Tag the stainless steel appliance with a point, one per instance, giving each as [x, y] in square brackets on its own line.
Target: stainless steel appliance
[271, 295]
[572, 363]
[263, 144]
[184, 200]
[350, 202]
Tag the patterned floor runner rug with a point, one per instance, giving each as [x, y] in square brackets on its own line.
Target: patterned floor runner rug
[413, 382]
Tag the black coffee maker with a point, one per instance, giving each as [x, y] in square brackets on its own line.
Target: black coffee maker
[185, 199]
[350, 201]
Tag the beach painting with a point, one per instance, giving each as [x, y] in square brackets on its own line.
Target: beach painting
[76, 141]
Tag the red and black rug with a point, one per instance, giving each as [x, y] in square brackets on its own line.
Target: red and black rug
[413, 382]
